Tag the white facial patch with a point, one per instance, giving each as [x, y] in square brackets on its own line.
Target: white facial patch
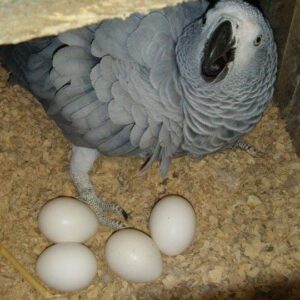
[244, 20]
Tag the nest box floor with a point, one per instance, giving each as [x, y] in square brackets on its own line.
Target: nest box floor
[247, 242]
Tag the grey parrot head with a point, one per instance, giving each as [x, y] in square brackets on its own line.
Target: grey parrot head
[231, 42]
[227, 61]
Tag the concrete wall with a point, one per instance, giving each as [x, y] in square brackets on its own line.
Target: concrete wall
[22, 20]
[284, 16]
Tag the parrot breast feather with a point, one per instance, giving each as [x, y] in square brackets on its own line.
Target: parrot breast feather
[137, 76]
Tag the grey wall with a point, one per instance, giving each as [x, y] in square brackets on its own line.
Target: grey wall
[284, 16]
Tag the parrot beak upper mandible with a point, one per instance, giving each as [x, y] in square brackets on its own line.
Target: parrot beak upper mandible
[219, 51]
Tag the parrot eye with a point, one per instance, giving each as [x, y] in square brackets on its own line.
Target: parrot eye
[257, 41]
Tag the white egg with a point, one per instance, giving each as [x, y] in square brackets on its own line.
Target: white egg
[67, 267]
[133, 255]
[173, 225]
[66, 219]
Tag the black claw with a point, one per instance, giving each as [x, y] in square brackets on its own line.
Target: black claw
[125, 215]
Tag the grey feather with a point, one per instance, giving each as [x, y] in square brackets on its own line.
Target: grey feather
[86, 110]
[102, 79]
[151, 25]
[103, 90]
[116, 140]
[143, 86]
[57, 80]
[77, 87]
[152, 158]
[79, 104]
[80, 124]
[165, 163]
[110, 38]
[72, 61]
[147, 139]
[136, 135]
[97, 134]
[139, 116]
[82, 37]
[98, 115]
[118, 114]
[126, 149]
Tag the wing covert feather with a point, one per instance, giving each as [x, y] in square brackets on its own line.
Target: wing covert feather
[115, 86]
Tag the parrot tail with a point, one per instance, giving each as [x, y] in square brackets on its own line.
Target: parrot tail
[5, 51]
[28, 58]
[15, 58]
[11, 59]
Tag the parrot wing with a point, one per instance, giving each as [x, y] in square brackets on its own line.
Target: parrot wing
[116, 84]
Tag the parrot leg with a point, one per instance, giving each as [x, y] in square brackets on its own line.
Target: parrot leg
[81, 163]
[250, 149]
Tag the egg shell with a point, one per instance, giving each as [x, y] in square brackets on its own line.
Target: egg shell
[133, 255]
[173, 224]
[66, 219]
[67, 267]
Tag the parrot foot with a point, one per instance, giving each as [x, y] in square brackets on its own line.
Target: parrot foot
[101, 207]
[250, 149]
[81, 163]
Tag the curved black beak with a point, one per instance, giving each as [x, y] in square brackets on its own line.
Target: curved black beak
[218, 52]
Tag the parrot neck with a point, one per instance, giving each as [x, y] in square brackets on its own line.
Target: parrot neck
[215, 119]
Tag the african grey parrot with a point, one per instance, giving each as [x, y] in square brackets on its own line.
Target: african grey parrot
[185, 80]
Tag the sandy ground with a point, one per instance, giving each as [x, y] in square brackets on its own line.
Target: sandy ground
[247, 242]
